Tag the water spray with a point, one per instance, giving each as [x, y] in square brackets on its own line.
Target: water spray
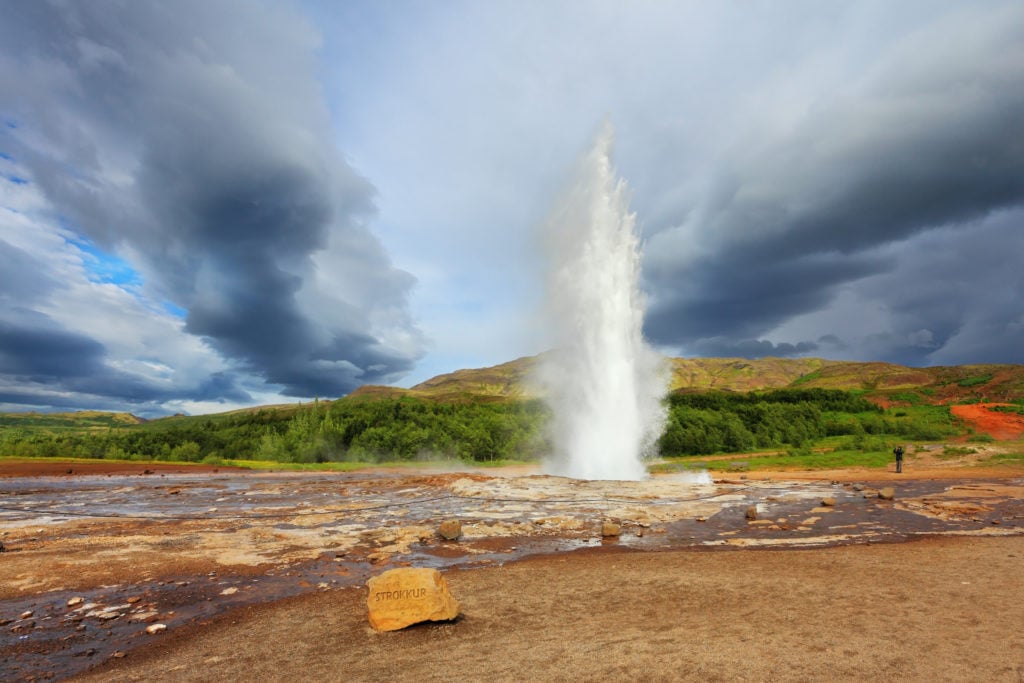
[603, 382]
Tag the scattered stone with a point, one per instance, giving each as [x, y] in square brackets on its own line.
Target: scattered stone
[752, 512]
[610, 529]
[996, 522]
[702, 519]
[132, 600]
[640, 533]
[153, 629]
[119, 654]
[3, 548]
[402, 597]
[888, 493]
[27, 614]
[451, 529]
[858, 487]
[148, 616]
[229, 591]
[828, 502]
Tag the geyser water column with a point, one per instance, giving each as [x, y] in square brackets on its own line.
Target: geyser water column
[603, 382]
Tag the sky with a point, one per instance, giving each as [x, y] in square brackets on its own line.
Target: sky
[210, 204]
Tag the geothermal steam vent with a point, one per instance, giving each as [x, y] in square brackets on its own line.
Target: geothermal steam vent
[603, 382]
[403, 597]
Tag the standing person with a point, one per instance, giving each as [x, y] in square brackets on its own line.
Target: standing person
[898, 452]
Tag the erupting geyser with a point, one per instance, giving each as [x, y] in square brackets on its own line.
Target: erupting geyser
[603, 382]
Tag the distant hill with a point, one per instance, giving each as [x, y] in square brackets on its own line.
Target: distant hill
[506, 382]
[884, 383]
[77, 421]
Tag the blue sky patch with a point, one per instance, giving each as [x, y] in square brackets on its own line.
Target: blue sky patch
[17, 180]
[103, 267]
[6, 156]
[174, 309]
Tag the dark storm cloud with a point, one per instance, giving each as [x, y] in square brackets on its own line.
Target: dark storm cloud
[720, 347]
[55, 367]
[195, 135]
[23, 279]
[932, 138]
[737, 295]
[44, 351]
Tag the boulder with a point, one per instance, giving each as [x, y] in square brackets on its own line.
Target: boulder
[406, 596]
[888, 493]
[828, 502]
[752, 512]
[450, 529]
[610, 529]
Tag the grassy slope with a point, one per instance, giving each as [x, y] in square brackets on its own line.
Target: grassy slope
[886, 383]
[87, 420]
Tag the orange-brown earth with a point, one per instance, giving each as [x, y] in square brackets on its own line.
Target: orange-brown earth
[1003, 426]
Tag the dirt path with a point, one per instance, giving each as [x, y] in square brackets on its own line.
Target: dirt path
[939, 609]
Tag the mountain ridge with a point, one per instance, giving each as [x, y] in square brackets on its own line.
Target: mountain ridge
[885, 383]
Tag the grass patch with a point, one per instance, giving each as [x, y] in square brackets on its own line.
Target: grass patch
[975, 381]
[822, 461]
[953, 452]
[1014, 409]
[1008, 458]
[350, 466]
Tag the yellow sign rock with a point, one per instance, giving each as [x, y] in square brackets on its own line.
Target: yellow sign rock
[402, 597]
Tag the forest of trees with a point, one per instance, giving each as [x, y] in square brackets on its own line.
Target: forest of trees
[405, 428]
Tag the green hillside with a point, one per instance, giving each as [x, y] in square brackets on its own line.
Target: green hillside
[494, 414]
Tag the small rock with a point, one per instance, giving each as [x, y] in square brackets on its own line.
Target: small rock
[132, 600]
[702, 519]
[450, 529]
[27, 614]
[75, 601]
[640, 533]
[752, 512]
[119, 654]
[828, 502]
[887, 493]
[996, 522]
[610, 530]
[3, 548]
[153, 629]
[858, 487]
[229, 591]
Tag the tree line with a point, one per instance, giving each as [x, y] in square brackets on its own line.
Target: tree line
[396, 429]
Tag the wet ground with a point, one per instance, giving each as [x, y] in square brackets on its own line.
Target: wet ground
[93, 562]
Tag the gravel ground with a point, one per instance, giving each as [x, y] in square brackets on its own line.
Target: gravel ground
[935, 609]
